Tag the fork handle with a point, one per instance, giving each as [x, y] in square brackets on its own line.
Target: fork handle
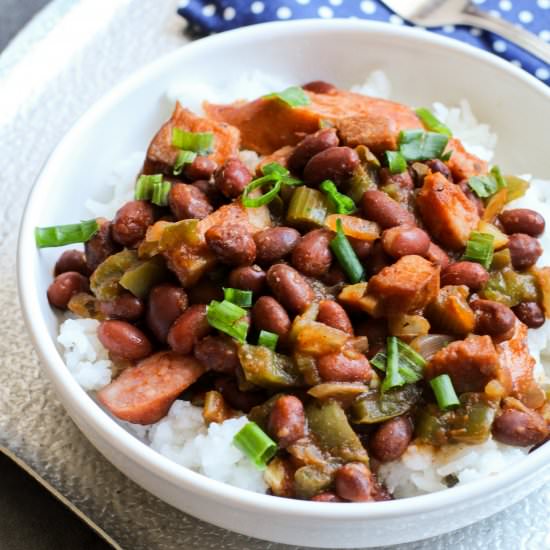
[528, 41]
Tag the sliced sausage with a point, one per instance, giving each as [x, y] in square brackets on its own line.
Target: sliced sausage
[143, 394]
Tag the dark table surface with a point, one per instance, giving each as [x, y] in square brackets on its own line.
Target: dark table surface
[30, 517]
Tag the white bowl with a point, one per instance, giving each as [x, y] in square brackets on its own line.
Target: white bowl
[423, 67]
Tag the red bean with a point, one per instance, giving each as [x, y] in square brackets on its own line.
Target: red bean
[287, 421]
[274, 243]
[335, 163]
[312, 255]
[520, 428]
[217, 353]
[188, 329]
[334, 315]
[362, 249]
[100, 246]
[71, 260]
[232, 244]
[319, 87]
[310, 146]
[204, 292]
[270, 315]
[404, 240]
[401, 181]
[126, 306]
[289, 287]
[436, 165]
[232, 178]
[200, 169]
[240, 400]
[391, 439]
[530, 313]
[522, 220]
[524, 250]
[248, 278]
[437, 256]
[188, 201]
[131, 222]
[471, 274]
[65, 286]
[492, 317]
[166, 303]
[379, 207]
[124, 340]
[353, 482]
[344, 366]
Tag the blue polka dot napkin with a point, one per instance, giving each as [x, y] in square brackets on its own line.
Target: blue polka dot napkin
[211, 16]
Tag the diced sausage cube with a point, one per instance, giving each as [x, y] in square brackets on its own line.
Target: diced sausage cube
[471, 364]
[162, 155]
[446, 211]
[407, 285]
[463, 164]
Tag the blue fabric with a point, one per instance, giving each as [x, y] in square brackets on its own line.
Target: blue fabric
[210, 16]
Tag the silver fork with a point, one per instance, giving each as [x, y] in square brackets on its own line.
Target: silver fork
[436, 13]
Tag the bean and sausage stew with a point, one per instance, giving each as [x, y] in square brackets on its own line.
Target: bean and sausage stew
[361, 288]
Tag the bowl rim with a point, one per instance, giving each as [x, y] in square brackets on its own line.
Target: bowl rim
[74, 397]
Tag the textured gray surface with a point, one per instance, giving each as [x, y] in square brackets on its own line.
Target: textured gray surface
[15, 13]
[32, 422]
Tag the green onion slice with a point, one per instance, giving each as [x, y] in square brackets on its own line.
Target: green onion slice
[479, 248]
[293, 96]
[393, 376]
[161, 190]
[396, 162]
[340, 203]
[228, 318]
[255, 444]
[242, 298]
[346, 256]
[198, 142]
[183, 158]
[411, 363]
[432, 123]
[485, 186]
[145, 185]
[274, 174]
[60, 235]
[444, 391]
[498, 177]
[268, 339]
[420, 145]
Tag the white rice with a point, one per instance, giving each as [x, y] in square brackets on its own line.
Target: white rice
[183, 436]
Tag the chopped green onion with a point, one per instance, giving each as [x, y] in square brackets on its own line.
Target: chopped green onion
[393, 376]
[498, 177]
[411, 363]
[293, 96]
[228, 318]
[420, 145]
[396, 162]
[346, 256]
[479, 248]
[198, 142]
[275, 175]
[444, 391]
[268, 339]
[160, 193]
[255, 444]
[446, 156]
[242, 298]
[145, 185]
[340, 203]
[60, 235]
[183, 158]
[482, 186]
[432, 123]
